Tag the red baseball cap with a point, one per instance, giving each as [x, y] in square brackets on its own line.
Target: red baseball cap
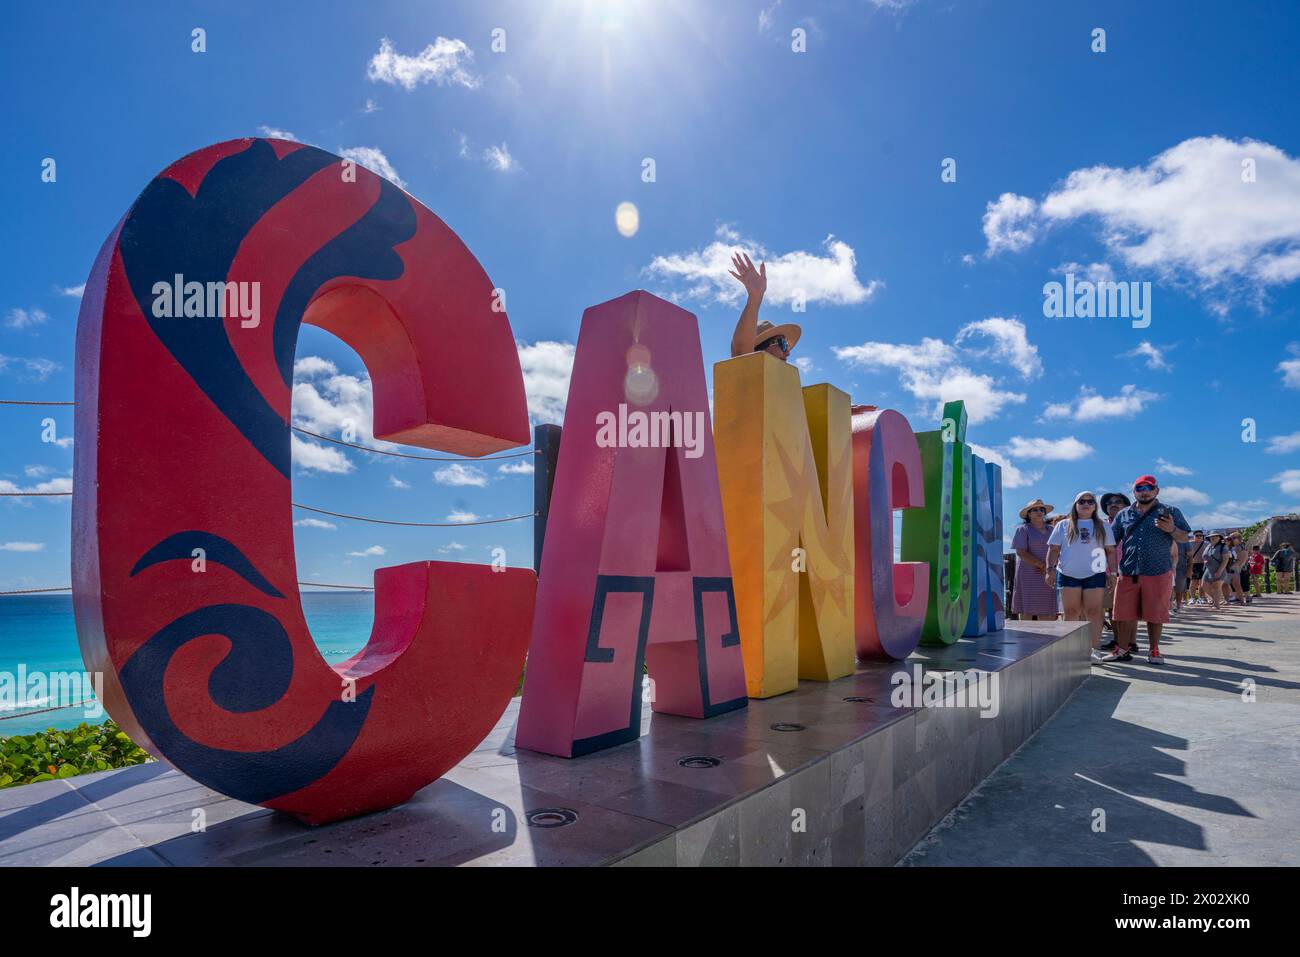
[1145, 480]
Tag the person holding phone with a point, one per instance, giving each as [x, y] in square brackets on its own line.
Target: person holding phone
[1146, 529]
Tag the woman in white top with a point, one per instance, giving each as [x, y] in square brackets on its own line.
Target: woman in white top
[1081, 562]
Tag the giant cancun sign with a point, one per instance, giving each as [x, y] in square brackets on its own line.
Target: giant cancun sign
[728, 569]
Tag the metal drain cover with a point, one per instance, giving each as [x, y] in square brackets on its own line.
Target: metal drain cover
[698, 761]
[552, 817]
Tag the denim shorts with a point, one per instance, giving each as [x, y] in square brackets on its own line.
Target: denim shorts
[1092, 581]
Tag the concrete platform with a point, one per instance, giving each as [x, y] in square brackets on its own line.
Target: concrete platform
[809, 778]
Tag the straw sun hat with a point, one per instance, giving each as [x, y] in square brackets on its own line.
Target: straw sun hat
[765, 330]
[1036, 503]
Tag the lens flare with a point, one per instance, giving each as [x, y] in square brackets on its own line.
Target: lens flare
[627, 219]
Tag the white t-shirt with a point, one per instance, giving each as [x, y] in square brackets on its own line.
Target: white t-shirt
[1085, 556]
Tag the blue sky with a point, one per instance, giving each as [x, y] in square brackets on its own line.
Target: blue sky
[1124, 164]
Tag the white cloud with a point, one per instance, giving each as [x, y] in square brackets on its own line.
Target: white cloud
[1187, 214]
[1009, 223]
[315, 523]
[37, 471]
[312, 457]
[442, 62]
[1093, 272]
[1230, 514]
[1172, 469]
[1290, 368]
[1284, 444]
[332, 404]
[1012, 476]
[309, 366]
[458, 474]
[28, 370]
[1155, 358]
[1183, 495]
[451, 547]
[275, 133]
[373, 159]
[703, 275]
[22, 546]
[395, 482]
[372, 550]
[1010, 344]
[984, 401]
[546, 367]
[75, 292]
[932, 369]
[1089, 406]
[1288, 481]
[26, 318]
[499, 158]
[522, 467]
[765, 16]
[1068, 449]
[461, 515]
[58, 485]
[931, 354]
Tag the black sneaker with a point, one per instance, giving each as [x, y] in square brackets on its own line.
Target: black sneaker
[1108, 644]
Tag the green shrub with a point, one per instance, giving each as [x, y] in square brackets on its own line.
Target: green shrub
[50, 754]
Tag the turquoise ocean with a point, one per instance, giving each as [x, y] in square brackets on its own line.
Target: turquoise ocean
[39, 632]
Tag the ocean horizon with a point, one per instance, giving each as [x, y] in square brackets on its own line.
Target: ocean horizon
[39, 634]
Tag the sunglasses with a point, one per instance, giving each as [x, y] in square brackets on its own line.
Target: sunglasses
[1033, 510]
[1144, 487]
[1086, 501]
[778, 340]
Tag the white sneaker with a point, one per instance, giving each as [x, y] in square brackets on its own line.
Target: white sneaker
[1155, 659]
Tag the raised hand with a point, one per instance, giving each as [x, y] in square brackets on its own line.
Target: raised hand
[754, 280]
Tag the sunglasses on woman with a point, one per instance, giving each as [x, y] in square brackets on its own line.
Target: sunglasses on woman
[1086, 501]
[778, 340]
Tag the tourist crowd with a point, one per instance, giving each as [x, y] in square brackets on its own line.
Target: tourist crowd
[1114, 562]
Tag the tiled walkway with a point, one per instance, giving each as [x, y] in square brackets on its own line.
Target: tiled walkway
[1184, 766]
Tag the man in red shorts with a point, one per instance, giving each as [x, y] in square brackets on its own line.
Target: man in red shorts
[1147, 528]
